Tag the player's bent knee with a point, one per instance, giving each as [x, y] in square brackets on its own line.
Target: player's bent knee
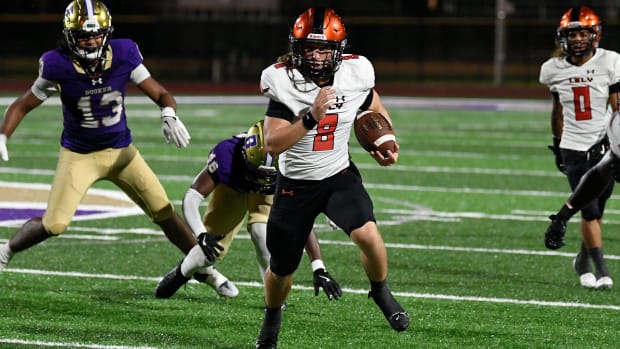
[55, 229]
[282, 270]
[591, 213]
[164, 213]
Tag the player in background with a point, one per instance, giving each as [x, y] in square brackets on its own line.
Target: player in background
[90, 71]
[584, 82]
[314, 95]
[240, 177]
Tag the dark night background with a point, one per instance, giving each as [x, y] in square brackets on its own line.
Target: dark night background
[409, 42]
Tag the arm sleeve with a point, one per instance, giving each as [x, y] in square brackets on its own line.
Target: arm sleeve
[43, 88]
[139, 74]
[279, 110]
[367, 101]
[191, 210]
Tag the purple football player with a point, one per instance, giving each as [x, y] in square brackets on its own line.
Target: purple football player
[89, 71]
[239, 177]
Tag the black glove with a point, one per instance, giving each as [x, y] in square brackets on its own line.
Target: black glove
[209, 245]
[327, 282]
[555, 148]
[554, 236]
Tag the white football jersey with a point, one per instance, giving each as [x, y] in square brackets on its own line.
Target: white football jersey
[324, 150]
[613, 132]
[584, 93]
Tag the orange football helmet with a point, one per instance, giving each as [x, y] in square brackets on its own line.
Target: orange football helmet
[322, 28]
[577, 19]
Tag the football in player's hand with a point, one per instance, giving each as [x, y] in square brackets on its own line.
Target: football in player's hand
[374, 132]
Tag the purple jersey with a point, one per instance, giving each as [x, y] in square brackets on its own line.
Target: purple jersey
[93, 108]
[226, 164]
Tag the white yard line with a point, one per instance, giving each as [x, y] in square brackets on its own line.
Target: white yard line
[31, 343]
[346, 290]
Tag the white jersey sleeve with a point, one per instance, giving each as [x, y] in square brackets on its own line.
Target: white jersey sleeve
[43, 88]
[583, 93]
[324, 150]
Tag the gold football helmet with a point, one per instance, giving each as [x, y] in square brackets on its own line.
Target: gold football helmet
[578, 19]
[84, 19]
[321, 28]
[261, 166]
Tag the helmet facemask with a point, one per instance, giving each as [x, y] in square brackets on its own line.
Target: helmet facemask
[305, 60]
[85, 19]
[577, 47]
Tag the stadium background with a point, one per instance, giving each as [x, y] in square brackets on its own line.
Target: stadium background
[425, 47]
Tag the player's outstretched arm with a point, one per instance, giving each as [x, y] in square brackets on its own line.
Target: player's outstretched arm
[13, 115]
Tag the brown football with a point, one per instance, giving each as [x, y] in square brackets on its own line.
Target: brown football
[374, 132]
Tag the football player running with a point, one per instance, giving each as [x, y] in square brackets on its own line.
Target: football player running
[584, 81]
[240, 177]
[314, 95]
[89, 71]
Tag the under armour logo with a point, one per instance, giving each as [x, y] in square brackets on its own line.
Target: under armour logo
[286, 192]
[97, 81]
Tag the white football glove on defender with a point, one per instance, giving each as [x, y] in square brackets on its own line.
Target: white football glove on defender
[4, 153]
[173, 129]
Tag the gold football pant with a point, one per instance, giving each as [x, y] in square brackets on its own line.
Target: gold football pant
[76, 173]
[226, 211]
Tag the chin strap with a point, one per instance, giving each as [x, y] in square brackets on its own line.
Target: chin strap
[92, 71]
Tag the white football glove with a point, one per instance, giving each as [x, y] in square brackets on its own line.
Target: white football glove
[4, 153]
[173, 129]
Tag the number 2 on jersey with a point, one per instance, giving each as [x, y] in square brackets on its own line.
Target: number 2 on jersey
[581, 98]
[324, 139]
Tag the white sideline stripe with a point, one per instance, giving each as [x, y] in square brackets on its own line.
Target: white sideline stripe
[497, 104]
[400, 246]
[68, 344]
[465, 249]
[348, 290]
[370, 167]
[416, 188]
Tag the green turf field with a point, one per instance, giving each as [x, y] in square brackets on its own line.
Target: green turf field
[463, 214]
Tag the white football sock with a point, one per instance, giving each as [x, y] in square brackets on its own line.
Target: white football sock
[258, 232]
[194, 260]
[5, 255]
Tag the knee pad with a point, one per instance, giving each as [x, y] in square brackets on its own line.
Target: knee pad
[163, 214]
[258, 233]
[282, 269]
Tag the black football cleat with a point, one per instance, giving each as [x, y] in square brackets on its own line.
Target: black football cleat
[554, 236]
[394, 313]
[171, 282]
[266, 344]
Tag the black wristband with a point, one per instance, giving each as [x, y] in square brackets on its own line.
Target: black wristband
[309, 121]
